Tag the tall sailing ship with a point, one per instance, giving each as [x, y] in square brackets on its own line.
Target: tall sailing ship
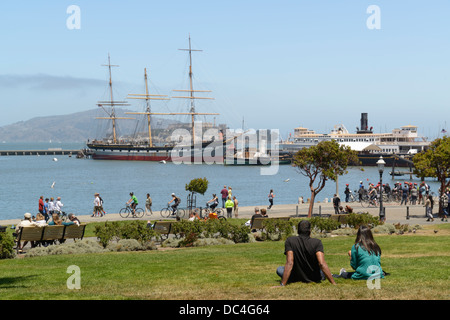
[194, 150]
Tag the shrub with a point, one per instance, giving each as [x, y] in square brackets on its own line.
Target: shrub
[277, 229]
[136, 230]
[211, 242]
[356, 220]
[78, 247]
[130, 245]
[324, 224]
[6, 246]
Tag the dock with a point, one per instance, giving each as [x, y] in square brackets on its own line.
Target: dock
[48, 152]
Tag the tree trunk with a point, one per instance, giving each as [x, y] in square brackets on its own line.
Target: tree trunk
[311, 204]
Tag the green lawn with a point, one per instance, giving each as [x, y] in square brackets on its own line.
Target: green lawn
[419, 265]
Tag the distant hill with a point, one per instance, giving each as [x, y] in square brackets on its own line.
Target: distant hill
[75, 127]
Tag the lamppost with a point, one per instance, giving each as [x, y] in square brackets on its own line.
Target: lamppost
[380, 164]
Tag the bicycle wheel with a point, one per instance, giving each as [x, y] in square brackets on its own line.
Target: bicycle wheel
[180, 213]
[139, 212]
[165, 212]
[124, 212]
[365, 203]
[205, 213]
[221, 218]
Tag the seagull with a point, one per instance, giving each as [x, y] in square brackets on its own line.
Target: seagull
[55, 159]
[287, 180]
[162, 161]
[53, 184]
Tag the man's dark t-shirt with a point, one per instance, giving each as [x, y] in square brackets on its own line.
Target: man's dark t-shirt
[306, 267]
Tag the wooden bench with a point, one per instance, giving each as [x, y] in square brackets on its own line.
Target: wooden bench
[50, 233]
[258, 223]
[163, 228]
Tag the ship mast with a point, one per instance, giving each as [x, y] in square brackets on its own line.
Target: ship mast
[112, 103]
[191, 91]
[147, 97]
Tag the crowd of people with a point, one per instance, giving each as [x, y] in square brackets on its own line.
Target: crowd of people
[40, 221]
[49, 206]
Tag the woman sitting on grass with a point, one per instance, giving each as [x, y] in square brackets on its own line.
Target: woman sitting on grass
[364, 257]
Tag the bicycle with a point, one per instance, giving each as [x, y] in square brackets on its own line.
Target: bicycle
[64, 217]
[166, 212]
[367, 202]
[125, 212]
[209, 210]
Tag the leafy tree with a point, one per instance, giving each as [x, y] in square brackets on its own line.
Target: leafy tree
[325, 161]
[198, 185]
[435, 163]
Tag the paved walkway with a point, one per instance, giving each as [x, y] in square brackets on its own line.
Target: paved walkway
[394, 213]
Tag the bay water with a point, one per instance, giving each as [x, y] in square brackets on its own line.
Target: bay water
[26, 178]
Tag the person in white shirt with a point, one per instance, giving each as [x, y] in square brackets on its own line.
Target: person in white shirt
[51, 206]
[26, 222]
[97, 206]
[58, 205]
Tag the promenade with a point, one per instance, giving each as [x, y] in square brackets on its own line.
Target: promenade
[394, 213]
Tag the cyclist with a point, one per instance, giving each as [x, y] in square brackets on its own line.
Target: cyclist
[214, 202]
[373, 194]
[176, 201]
[133, 202]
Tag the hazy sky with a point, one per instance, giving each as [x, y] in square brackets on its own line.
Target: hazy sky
[275, 64]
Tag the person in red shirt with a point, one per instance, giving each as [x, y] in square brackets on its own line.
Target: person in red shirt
[224, 194]
[41, 204]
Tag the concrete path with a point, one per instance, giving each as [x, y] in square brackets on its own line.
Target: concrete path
[394, 213]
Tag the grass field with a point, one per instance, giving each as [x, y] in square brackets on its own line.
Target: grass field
[419, 265]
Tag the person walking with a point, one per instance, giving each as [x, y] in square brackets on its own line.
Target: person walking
[148, 204]
[429, 208]
[229, 205]
[97, 206]
[271, 196]
[224, 193]
[444, 200]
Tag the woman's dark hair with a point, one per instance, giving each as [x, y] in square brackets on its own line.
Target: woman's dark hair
[364, 239]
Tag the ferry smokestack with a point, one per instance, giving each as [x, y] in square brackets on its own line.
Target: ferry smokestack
[364, 124]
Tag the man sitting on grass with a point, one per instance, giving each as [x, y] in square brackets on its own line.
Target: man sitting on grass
[305, 259]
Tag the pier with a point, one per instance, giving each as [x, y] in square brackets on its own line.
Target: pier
[48, 152]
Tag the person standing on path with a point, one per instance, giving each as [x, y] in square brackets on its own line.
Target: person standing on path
[236, 208]
[336, 203]
[271, 196]
[347, 192]
[224, 193]
[429, 207]
[229, 205]
[148, 204]
[41, 205]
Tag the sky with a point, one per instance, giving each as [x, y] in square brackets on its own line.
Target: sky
[269, 64]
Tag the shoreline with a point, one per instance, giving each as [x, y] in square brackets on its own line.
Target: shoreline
[394, 213]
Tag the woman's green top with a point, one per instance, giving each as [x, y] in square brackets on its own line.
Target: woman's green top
[365, 264]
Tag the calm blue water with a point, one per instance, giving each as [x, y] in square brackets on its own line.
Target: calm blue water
[25, 178]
